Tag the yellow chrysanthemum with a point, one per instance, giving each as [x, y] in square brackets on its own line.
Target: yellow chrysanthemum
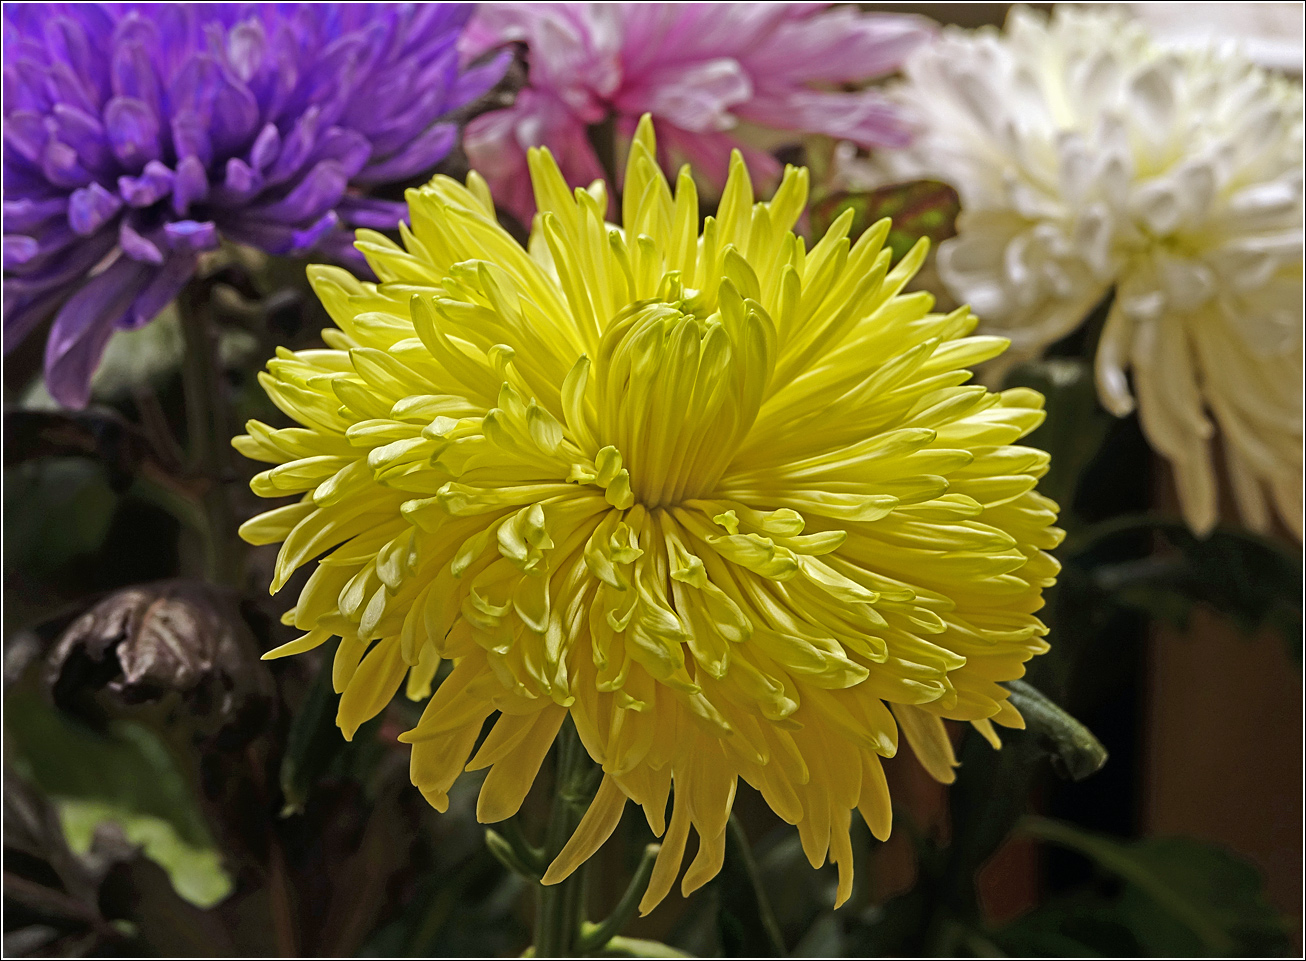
[722, 499]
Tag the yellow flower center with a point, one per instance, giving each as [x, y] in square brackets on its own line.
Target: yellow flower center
[677, 393]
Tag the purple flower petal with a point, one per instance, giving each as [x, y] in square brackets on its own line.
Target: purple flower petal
[90, 207]
[193, 86]
[19, 250]
[191, 235]
[316, 193]
[137, 246]
[24, 85]
[247, 45]
[190, 137]
[305, 240]
[133, 73]
[371, 213]
[154, 183]
[239, 184]
[191, 184]
[62, 167]
[82, 329]
[85, 134]
[66, 38]
[148, 133]
[133, 131]
[267, 147]
[161, 291]
[296, 148]
[60, 264]
[479, 80]
[67, 87]
[349, 149]
[419, 156]
[234, 117]
[23, 314]
[27, 213]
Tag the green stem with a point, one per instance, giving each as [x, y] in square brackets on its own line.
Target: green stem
[209, 435]
[738, 841]
[560, 907]
[620, 947]
[595, 936]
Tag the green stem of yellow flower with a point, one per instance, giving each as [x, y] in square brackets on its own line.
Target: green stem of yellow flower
[560, 908]
[595, 936]
[738, 842]
[209, 434]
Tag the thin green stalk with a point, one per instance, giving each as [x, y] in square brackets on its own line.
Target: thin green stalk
[560, 907]
[738, 840]
[209, 435]
[595, 936]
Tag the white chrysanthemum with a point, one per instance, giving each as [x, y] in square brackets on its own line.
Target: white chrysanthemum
[1089, 159]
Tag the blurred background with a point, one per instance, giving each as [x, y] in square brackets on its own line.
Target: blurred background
[168, 793]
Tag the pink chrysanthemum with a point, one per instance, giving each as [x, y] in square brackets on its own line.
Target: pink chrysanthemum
[699, 69]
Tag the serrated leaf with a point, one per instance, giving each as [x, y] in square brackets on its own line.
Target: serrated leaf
[918, 208]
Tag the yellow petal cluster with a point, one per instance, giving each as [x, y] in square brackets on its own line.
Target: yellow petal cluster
[725, 500]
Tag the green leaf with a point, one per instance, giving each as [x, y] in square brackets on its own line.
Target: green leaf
[1180, 897]
[919, 208]
[56, 509]
[314, 740]
[1076, 424]
[1252, 580]
[1083, 925]
[127, 777]
[195, 871]
[1227, 891]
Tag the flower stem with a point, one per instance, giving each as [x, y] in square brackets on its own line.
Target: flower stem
[209, 434]
[738, 842]
[560, 907]
[595, 936]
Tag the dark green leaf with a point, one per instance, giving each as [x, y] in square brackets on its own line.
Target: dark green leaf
[1228, 892]
[56, 509]
[314, 740]
[126, 777]
[1254, 581]
[919, 208]
[1083, 926]
[1076, 424]
[1180, 897]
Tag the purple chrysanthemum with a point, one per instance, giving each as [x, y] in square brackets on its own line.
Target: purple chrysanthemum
[137, 136]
